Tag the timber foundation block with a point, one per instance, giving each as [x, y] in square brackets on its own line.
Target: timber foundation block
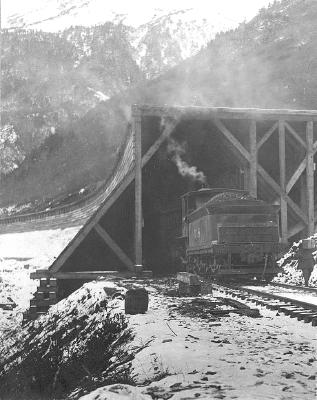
[49, 292]
[45, 296]
[89, 275]
[188, 284]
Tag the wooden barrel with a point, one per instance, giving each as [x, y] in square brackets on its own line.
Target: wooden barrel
[136, 301]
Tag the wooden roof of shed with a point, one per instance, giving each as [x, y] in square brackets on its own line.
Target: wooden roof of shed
[198, 112]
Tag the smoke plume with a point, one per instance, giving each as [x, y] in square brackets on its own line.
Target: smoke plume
[177, 151]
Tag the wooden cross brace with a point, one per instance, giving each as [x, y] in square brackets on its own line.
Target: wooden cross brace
[284, 188]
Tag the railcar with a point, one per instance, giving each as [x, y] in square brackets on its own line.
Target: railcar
[228, 234]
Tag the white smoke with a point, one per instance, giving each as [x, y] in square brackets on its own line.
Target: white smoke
[177, 150]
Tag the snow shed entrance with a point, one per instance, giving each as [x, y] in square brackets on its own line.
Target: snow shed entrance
[172, 150]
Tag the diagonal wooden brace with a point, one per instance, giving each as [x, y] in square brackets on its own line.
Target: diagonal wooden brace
[114, 246]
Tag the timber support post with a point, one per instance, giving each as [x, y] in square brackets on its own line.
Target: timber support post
[137, 132]
[310, 176]
[283, 203]
[253, 159]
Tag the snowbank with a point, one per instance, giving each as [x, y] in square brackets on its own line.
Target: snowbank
[291, 274]
[69, 349]
[233, 357]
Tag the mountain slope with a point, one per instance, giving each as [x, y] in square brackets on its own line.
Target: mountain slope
[268, 62]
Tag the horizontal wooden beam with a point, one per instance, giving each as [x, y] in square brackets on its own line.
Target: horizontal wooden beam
[267, 135]
[88, 275]
[114, 246]
[295, 134]
[300, 169]
[195, 112]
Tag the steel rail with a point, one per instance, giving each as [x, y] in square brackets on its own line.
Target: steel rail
[302, 310]
[298, 287]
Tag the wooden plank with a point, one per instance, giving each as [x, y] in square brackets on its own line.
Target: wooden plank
[303, 192]
[229, 113]
[267, 135]
[284, 230]
[282, 164]
[229, 136]
[44, 302]
[310, 177]
[282, 159]
[114, 246]
[137, 131]
[296, 175]
[253, 159]
[246, 178]
[295, 134]
[89, 275]
[169, 126]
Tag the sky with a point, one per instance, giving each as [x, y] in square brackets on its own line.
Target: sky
[231, 12]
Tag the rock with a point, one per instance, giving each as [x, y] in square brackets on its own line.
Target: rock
[175, 385]
[193, 337]
[188, 278]
[189, 284]
[288, 375]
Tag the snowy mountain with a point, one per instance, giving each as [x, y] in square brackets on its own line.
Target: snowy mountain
[166, 40]
[56, 15]
[52, 79]
[161, 38]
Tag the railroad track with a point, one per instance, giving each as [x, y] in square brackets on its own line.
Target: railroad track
[288, 286]
[301, 310]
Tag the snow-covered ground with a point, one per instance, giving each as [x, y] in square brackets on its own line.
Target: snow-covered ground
[234, 357]
[184, 356]
[21, 254]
